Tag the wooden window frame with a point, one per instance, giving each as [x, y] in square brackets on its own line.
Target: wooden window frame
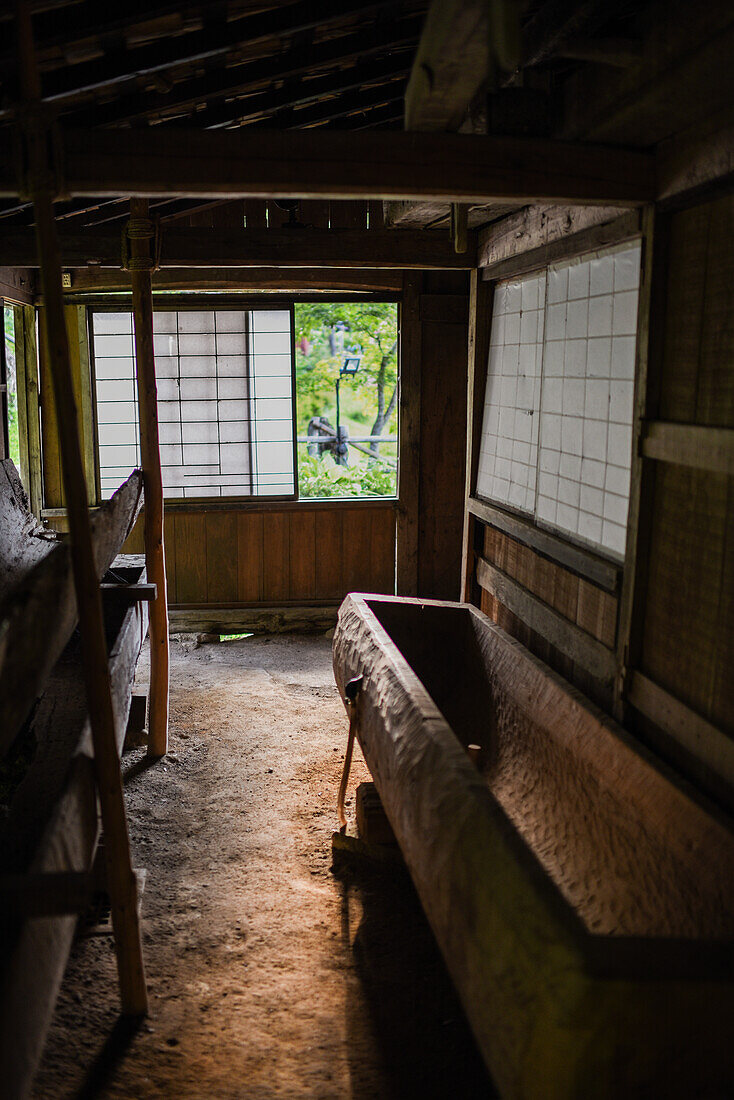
[603, 570]
[194, 300]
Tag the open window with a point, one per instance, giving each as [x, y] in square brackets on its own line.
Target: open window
[297, 400]
[347, 398]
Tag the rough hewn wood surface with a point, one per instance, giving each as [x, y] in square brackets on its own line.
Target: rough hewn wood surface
[38, 607]
[52, 826]
[583, 902]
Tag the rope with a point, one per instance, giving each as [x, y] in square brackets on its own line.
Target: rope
[141, 229]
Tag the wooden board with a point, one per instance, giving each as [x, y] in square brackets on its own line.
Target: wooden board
[451, 64]
[295, 553]
[38, 613]
[53, 827]
[443, 456]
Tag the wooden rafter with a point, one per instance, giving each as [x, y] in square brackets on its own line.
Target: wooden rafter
[204, 44]
[238, 79]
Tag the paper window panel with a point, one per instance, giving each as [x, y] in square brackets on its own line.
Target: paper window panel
[224, 407]
[585, 442]
[508, 454]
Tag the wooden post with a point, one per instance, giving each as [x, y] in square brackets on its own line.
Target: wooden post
[140, 232]
[480, 324]
[650, 326]
[410, 436]
[122, 883]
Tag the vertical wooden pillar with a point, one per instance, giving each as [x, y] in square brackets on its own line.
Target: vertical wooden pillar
[480, 326]
[121, 880]
[650, 327]
[410, 436]
[140, 233]
[29, 423]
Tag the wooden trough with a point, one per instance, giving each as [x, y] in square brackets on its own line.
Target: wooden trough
[49, 826]
[583, 902]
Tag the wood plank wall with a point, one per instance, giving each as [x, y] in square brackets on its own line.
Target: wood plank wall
[443, 311]
[286, 555]
[590, 611]
[245, 556]
[662, 634]
[686, 622]
[76, 326]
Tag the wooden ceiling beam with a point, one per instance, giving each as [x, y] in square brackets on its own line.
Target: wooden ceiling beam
[536, 227]
[248, 248]
[450, 66]
[303, 92]
[121, 65]
[69, 24]
[256, 163]
[257, 279]
[387, 34]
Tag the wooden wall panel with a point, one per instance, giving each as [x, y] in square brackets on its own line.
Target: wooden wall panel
[191, 557]
[221, 556]
[169, 538]
[382, 553]
[683, 629]
[81, 379]
[303, 549]
[697, 371]
[250, 557]
[329, 555]
[684, 705]
[443, 450]
[357, 547]
[276, 557]
[582, 603]
[298, 554]
[715, 382]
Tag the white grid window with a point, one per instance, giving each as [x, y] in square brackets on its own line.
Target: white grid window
[224, 401]
[584, 415]
[508, 455]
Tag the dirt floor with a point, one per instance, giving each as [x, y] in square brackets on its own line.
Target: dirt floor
[272, 973]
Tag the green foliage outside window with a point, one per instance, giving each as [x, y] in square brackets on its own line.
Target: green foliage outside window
[324, 333]
[9, 337]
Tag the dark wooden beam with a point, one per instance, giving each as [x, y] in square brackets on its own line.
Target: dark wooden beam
[298, 164]
[233, 80]
[537, 236]
[17, 285]
[451, 64]
[552, 25]
[251, 248]
[209, 42]
[299, 280]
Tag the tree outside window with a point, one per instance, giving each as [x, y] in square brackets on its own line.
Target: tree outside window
[327, 334]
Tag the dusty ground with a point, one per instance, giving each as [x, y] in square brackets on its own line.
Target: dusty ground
[272, 974]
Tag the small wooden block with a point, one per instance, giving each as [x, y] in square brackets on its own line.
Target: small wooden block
[372, 822]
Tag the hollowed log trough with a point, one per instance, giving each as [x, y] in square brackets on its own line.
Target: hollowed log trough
[582, 899]
[49, 826]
